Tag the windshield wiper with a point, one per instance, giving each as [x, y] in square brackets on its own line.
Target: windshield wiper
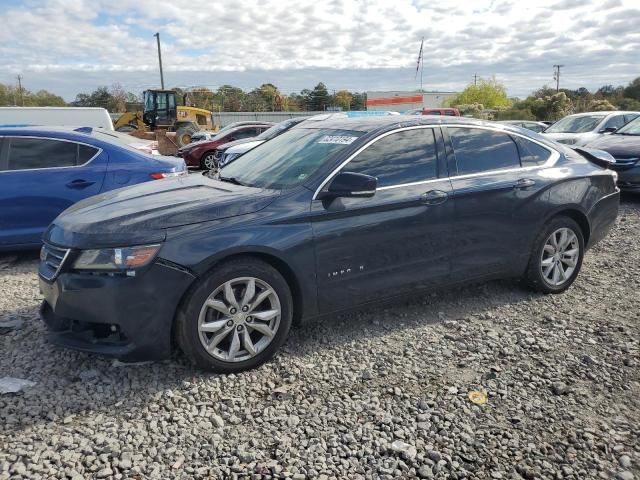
[233, 180]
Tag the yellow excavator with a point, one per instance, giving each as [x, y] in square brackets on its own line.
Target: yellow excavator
[161, 112]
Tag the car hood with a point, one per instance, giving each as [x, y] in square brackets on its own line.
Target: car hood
[224, 146]
[141, 214]
[572, 138]
[620, 146]
[245, 147]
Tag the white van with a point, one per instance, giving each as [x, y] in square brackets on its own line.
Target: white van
[59, 116]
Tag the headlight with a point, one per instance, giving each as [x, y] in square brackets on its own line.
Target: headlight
[114, 259]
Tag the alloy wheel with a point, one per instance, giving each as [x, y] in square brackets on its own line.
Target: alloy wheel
[239, 319]
[209, 161]
[560, 256]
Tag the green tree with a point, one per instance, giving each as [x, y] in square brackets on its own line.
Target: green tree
[633, 89]
[489, 93]
[343, 98]
[358, 101]
[319, 98]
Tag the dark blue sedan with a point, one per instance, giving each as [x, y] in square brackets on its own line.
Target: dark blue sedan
[45, 170]
[332, 214]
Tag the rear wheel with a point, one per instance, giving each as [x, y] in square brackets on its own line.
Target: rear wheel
[236, 318]
[183, 135]
[557, 256]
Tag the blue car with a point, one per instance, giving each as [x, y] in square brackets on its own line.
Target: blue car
[43, 171]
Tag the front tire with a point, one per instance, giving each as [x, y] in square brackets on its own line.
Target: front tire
[236, 318]
[557, 256]
[208, 161]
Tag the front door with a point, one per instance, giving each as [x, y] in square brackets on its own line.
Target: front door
[399, 239]
[39, 178]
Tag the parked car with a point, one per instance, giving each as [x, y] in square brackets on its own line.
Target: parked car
[202, 154]
[582, 128]
[451, 112]
[624, 146]
[537, 127]
[332, 214]
[273, 132]
[234, 152]
[55, 116]
[44, 171]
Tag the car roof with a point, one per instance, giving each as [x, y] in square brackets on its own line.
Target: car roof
[376, 122]
[603, 113]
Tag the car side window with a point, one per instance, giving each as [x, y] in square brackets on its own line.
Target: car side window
[478, 150]
[29, 153]
[450, 113]
[246, 133]
[531, 154]
[402, 157]
[615, 122]
[85, 153]
[628, 117]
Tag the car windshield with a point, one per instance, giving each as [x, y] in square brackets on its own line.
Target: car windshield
[289, 159]
[631, 128]
[274, 131]
[580, 124]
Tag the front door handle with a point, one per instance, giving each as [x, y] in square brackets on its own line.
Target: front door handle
[524, 183]
[79, 184]
[434, 197]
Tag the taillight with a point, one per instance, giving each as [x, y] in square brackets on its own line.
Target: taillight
[161, 175]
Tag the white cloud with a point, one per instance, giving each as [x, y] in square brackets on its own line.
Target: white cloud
[517, 41]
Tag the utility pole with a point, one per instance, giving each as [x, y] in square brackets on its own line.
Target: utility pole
[20, 89]
[556, 76]
[475, 80]
[157, 35]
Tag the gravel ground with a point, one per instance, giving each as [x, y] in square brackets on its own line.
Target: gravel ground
[382, 393]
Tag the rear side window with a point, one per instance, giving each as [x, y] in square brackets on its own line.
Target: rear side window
[531, 154]
[31, 153]
[85, 153]
[479, 150]
[402, 157]
[450, 113]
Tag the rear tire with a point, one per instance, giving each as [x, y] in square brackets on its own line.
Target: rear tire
[183, 135]
[236, 318]
[557, 256]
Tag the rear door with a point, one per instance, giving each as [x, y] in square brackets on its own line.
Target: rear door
[41, 177]
[496, 184]
[397, 240]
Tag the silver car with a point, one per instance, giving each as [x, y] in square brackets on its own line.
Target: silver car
[582, 128]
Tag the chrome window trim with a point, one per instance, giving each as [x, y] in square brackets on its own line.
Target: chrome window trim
[100, 150]
[551, 161]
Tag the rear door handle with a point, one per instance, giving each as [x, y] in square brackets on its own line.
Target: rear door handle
[434, 197]
[79, 184]
[524, 183]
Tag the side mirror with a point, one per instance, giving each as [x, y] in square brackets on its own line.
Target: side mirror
[350, 184]
[608, 130]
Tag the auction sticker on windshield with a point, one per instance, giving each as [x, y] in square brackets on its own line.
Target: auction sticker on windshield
[338, 139]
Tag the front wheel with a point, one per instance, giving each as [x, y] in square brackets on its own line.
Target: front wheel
[557, 256]
[208, 161]
[236, 318]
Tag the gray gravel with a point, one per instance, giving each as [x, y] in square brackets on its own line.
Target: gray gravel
[378, 394]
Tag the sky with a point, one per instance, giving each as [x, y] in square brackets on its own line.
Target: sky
[73, 46]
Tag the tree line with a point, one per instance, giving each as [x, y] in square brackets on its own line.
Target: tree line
[488, 99]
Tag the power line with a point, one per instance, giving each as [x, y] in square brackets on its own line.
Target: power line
[556, 76]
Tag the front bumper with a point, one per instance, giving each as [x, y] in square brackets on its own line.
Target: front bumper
[602, 217]
[124, 317]
[629, 180]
